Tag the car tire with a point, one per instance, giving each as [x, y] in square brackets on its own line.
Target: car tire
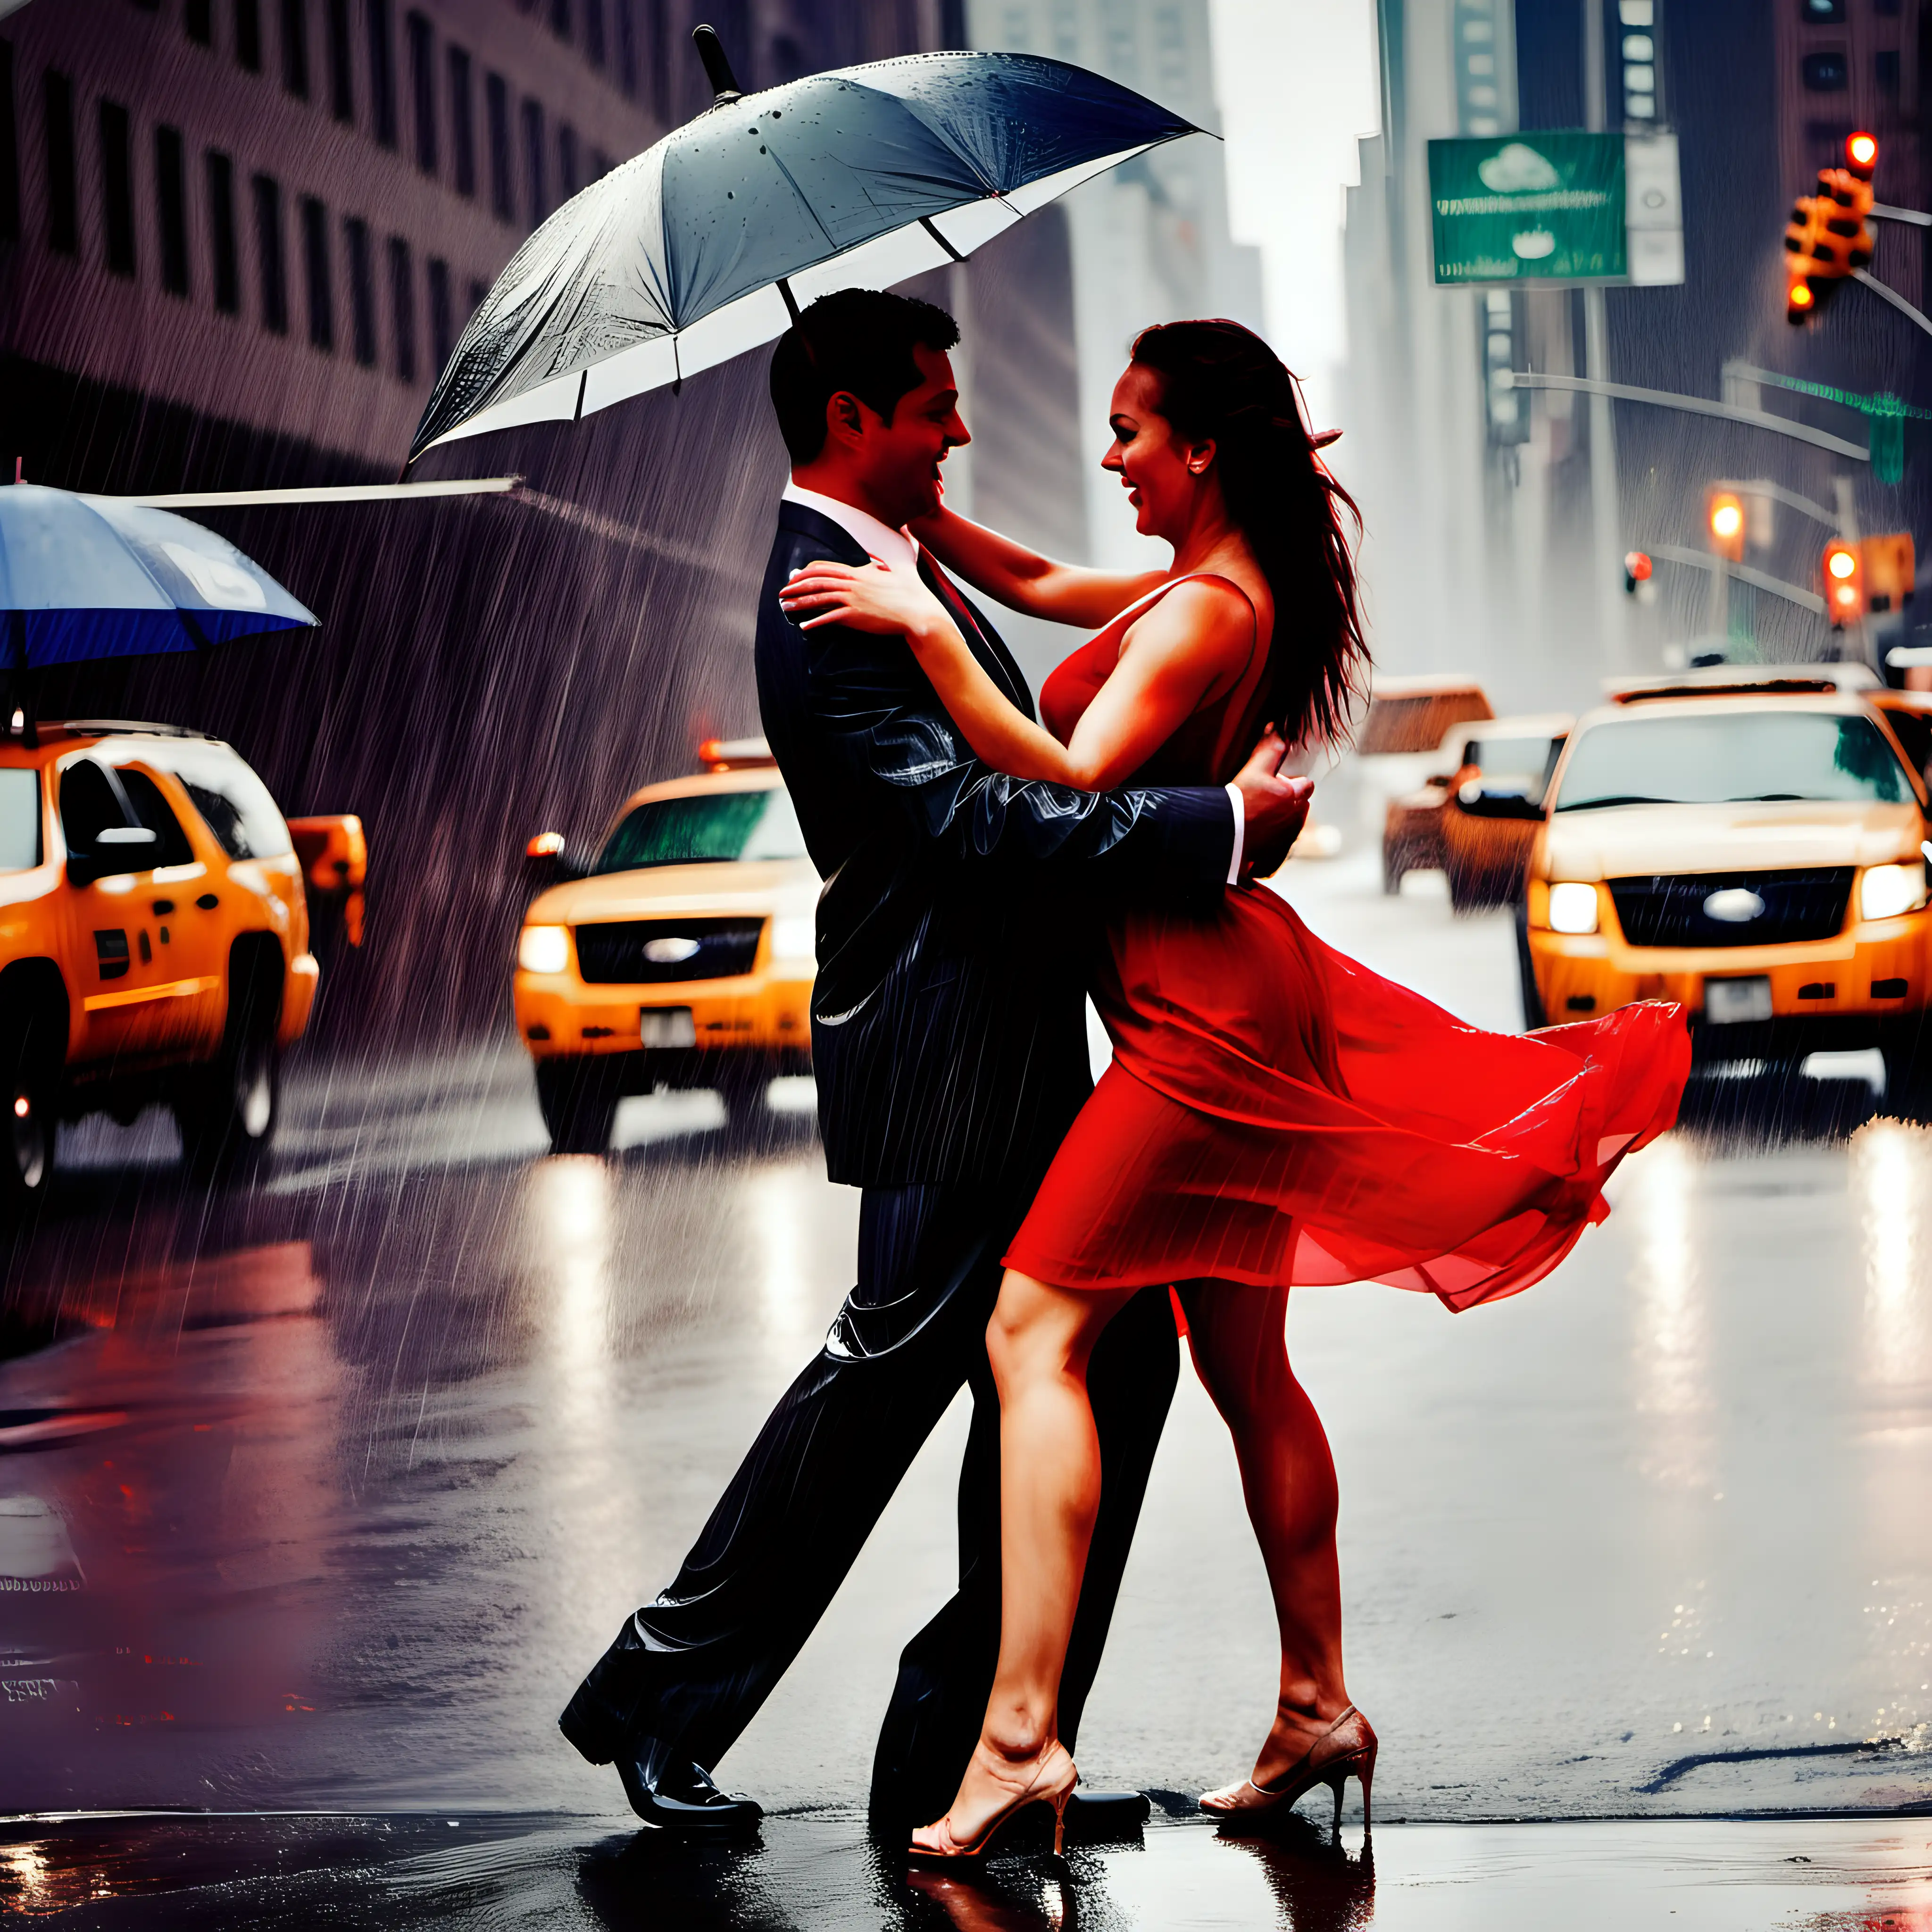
[1908, 1062]
[578, 1097]
[1392, 876]
[748, 1115]
[29, 1081]
[1533, 1014]
[228, 1111]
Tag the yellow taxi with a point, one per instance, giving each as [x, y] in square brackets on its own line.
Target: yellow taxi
[154, 940]
[1752, 844]
[681, 956]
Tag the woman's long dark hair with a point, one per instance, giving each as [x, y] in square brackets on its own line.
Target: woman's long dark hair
[1222, 382]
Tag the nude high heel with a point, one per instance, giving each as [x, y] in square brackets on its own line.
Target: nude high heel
[1346, 1750]
[1052, 1784]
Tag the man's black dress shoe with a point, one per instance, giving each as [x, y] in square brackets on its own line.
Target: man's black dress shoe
[673, 1793]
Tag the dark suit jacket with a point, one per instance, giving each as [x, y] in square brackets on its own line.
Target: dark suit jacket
[960, 906]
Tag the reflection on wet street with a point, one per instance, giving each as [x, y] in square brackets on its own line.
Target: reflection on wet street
[318, 1497]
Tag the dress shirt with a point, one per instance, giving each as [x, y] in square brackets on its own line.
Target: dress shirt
[897, 547]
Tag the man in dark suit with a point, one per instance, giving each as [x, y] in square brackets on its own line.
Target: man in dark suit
[948, 1040]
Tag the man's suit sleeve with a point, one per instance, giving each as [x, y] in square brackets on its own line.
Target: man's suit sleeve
[868, 693]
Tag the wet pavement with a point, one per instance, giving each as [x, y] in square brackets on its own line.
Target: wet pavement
[317, 1497]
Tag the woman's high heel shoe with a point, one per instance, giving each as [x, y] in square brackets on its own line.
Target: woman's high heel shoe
[1052, 1784]
[1346, 1750]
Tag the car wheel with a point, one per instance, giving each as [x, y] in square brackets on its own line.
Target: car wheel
[1533, 1014]
[743, 1090]
[227, 1112]
[1392, 873]
[1908, 1061]
[578, 1098]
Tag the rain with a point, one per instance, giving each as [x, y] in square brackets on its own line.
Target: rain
[332, 1455]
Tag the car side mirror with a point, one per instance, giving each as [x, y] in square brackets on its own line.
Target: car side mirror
[118, 848]
[547, 862]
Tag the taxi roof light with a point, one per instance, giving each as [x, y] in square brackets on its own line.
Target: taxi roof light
[734, 755]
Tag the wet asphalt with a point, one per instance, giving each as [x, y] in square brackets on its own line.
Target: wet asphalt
[317, 1497]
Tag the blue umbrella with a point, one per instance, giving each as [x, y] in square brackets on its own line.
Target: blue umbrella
[710, 241]
[83, 577]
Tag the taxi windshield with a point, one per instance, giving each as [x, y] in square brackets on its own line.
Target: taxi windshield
[20, 819]
[1746, 758]
[703, 828]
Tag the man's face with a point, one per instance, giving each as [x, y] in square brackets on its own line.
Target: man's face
[899, 461]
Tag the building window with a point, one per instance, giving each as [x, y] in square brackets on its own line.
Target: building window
[1828, 73]
[533, 158]
[57, 126]
[566, 161]
[248, 34]
[1885, 69]
[269, 256]
[117, 188]
[403, 308]
[462, 123]
[442, 332]
[10, 149]
[341, 72]
[382, 71]
[198, 22]
[560, 18]
[295, 47]
[502, 184]
[361, 292]
[318, 285]
[422, 89]
[627, 46]
[171, 208]
[223, 262]
[593, 31]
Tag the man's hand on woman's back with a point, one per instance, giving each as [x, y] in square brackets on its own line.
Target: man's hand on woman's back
[1277, 807]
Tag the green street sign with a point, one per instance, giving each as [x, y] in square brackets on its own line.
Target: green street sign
[1547, 206]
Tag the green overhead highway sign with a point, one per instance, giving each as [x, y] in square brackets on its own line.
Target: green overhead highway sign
[1545, 206]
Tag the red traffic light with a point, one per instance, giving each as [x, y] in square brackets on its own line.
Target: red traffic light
[1860, 154]
[1637, 566]
[1844, 583]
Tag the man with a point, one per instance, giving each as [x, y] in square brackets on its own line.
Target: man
[949, 1038]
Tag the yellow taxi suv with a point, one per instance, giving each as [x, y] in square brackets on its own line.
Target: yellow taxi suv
[1756, 848]
[682, 956]
[153, 942]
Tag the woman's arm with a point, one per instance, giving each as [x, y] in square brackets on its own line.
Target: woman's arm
[1023, 580]
[1197, 635]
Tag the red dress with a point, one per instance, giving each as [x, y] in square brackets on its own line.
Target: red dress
[1276, 1113]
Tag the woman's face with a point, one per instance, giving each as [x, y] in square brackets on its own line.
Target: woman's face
[1163, 475]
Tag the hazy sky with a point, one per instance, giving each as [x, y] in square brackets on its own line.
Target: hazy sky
[1297, 86]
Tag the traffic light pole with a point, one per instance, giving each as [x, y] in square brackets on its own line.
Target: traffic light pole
[1697, 405]
[1897, 300]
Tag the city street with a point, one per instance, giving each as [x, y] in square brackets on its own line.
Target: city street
[316, 1499]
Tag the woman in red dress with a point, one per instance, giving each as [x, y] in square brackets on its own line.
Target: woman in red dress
[1275, 1113]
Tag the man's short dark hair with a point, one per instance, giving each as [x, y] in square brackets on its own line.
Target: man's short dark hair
[860, 340]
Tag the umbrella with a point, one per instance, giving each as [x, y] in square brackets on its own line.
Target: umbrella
[710, 242]
[85, 577]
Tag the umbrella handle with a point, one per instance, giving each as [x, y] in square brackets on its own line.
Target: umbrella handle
[717, 64]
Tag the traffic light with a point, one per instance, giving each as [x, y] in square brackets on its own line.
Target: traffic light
[1828, 235]
[1844, 583]
[1724, 516]
[1890, 565]
[1637, 568]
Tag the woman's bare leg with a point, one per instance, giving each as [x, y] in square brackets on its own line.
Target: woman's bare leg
[1239, 1338]
[1040, 1340]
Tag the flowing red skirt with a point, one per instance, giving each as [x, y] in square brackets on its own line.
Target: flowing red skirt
[1277, 1114]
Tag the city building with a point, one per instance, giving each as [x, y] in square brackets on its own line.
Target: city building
[1150, 240]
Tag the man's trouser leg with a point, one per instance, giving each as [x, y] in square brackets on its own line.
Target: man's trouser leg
[692, 1668]
[946, 1672]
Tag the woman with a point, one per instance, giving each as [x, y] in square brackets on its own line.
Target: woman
[1274, 1113]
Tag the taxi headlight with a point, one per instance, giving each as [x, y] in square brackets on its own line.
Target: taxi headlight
[1572, 907]
[796, 937]
[1886, 891]
[544, 949]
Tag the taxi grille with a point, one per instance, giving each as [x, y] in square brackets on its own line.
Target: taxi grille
[1665, 910]
[614, 954]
